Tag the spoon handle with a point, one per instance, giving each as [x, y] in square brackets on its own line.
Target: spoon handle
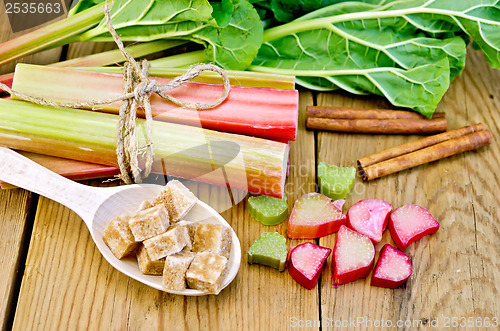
[22, 172]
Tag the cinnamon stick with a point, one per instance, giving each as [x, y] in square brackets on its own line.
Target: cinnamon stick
[418, 144]
[360, 113]
[356, 120]
[432, 149]
[389, 126]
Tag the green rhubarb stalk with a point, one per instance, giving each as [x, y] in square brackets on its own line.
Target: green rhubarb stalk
[109, 57]
[237, 78]
[248, 163]
[115, 56]
[180, 60]
[52, 35]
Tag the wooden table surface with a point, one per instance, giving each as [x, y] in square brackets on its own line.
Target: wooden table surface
[52, 277]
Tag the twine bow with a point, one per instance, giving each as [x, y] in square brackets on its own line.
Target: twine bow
[138, 88]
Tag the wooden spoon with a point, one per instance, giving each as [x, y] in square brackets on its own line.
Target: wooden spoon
[97, 206]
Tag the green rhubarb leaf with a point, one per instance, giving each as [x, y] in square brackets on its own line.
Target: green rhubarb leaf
[269, 249]
[231, 32]
[335, 182]
[287, 10]
[142, 17]
[268, 210]
[343, 45]
[235, 45]
[222, 12]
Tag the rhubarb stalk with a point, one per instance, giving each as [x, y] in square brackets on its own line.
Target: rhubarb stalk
[115, 56]
[262, 112]
[52, 35]
[249, 163]
[237, 78]
[109, 57]
[71, 169]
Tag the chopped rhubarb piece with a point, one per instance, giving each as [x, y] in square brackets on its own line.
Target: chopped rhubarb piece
[269, 249]
[353, 256]
[268, 210]
[393, 268]
[335, 182]
[306, 263]
[369, 217]
[314, 215]
[410, 223]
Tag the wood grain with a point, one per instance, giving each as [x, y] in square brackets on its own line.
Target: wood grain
[456, 269]
[45, 57]
[14, 208]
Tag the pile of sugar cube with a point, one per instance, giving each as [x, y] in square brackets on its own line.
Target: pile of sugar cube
[182, 252]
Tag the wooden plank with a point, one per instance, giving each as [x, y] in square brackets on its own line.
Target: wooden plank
[45, 57]
[480, 261]
[14, 208]
[455, 270]
[68, 285]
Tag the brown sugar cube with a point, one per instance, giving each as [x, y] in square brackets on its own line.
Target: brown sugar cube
[174, 273]
[145, 205]
[177, 198]
[191, 227]
[118, 237]
[149, 223]
[168, 243]
[206, 272]
[148, 266]
[212, 238]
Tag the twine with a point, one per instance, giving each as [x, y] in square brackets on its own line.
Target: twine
[137, 91]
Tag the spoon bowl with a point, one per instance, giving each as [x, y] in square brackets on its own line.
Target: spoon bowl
[97, 206]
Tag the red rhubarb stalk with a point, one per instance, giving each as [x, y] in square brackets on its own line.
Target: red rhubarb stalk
[262, 112]
[75, 170]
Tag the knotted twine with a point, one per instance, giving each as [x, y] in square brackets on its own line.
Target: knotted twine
[138, 88]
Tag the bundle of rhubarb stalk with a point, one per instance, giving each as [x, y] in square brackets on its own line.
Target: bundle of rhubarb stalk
[246, 136]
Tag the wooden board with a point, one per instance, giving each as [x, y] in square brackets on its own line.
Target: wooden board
[14, 210]
[456, 269]
[45, 57]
